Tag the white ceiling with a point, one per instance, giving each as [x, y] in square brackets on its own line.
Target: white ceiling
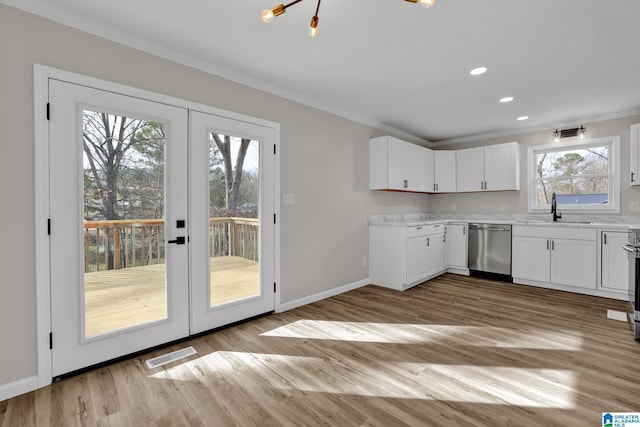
[392, 63]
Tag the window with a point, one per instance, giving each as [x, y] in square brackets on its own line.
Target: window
[584, 175]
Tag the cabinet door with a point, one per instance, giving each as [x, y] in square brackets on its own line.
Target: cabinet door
[425, 170]
[457, 245]
[501, 167]
[402, 164]
[469, 169]
[435, 253]
[634, 139]
[573, 262]
[615, 261]
[444, 167]
[416, 259]
[530, 258]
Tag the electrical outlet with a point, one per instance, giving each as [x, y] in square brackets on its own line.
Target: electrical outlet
[288, 198]
[453, 206]
[501, 207]
[634, 206]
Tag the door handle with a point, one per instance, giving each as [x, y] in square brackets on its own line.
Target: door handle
[180, 240]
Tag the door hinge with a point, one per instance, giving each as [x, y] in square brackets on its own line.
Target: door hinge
[50, 340]
[48, 111]
[274, 287]
[48, 226]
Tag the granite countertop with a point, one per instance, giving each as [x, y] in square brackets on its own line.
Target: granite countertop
[574, 221]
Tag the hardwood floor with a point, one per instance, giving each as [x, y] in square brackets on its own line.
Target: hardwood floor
[456, 351]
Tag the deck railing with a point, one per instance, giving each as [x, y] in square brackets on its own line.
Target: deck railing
[117, 244]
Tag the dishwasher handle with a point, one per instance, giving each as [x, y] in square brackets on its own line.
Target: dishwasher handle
[488, 227]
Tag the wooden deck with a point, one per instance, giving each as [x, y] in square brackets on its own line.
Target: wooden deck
[116, 299]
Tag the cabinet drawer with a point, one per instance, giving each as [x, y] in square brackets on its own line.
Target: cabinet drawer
[417, 231]
[555, 232]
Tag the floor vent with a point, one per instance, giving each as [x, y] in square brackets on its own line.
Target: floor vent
[617, 315]
[170, 357]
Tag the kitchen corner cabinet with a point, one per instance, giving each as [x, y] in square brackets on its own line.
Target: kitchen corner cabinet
[560, 256]
[398, 165]
[444, 171]
[402, 257]
[634, 140]
[614, 271]
[490, 168]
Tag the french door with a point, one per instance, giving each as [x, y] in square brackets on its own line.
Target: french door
[144, 247]
[234, 258]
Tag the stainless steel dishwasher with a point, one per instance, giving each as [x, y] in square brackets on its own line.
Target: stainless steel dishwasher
[490, 250]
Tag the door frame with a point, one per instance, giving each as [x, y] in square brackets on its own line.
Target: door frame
[41, 76]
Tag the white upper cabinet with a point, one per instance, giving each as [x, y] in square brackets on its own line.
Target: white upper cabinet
[634, 139]
[490, 168]
[444, 171]
[397, 165]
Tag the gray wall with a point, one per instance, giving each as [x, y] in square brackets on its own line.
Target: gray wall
[516, 201]
[324, 161]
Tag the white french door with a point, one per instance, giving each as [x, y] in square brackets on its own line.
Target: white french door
[153, 237]
[117, 286]
[234, 258]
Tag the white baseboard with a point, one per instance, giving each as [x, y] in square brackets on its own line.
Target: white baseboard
[19, 387]
[322, 295]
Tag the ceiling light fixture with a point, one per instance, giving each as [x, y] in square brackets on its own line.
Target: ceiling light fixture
[580, 132]
[269, 14]
[506, 99]
[521, 118]
[477, 71]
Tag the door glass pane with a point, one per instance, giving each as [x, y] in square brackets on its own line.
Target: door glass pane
[234, 179]
[124, 168]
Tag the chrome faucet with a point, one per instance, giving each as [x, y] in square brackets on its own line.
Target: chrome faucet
[554, 208]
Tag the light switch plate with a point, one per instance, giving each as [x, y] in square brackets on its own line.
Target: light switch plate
[288, 198]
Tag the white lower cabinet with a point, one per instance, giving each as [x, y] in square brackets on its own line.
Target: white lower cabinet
[556, 256]
[614, 271]
[435, 252]
[455, 250]
[402, 257]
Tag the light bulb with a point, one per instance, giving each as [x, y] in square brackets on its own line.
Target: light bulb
[267, 16]
[313, 26]
[426, 3]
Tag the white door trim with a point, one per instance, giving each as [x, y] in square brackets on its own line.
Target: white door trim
[42, 74]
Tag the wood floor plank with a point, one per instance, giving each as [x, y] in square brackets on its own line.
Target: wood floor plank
[455, 351]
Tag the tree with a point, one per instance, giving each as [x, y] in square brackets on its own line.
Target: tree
[232, 174]
[124, 156]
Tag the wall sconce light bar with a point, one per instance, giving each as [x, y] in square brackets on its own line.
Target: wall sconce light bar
[568, 133]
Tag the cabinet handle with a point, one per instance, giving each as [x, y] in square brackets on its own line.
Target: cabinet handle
[437, 188]
[444, 238]
[553, 245]
[632, 174]
[605, 238]
[464, 230]
[405, 183]
[485, 185]
[547, 244]
[427, 241]
[434, 187]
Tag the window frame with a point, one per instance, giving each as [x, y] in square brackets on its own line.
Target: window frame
[613, 206]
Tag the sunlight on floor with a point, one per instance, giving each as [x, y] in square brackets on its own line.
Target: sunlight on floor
[402, 333]
[362, 376]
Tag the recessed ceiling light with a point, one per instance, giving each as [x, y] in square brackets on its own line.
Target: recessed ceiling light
[478, 71]
[506, 99]
[522, 118]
